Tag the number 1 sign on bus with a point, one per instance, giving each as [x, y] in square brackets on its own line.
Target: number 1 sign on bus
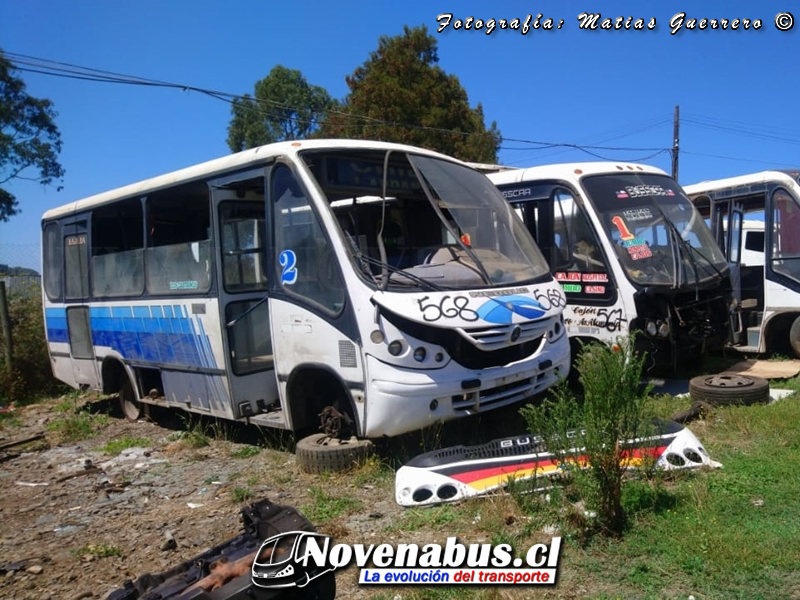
[631, 254]
[382, 286]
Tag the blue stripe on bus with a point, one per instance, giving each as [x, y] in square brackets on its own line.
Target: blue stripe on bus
[141, 333]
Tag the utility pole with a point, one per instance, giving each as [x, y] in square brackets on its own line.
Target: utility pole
[676, 125]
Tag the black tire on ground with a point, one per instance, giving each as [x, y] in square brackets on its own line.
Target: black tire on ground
[729, 388]
[794, 337]
[128, 401]
[319, 453]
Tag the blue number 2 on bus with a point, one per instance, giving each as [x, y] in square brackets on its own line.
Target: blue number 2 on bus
[288, 261]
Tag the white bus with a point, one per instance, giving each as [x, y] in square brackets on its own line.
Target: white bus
[367, 288]
[756, 220]
[631, 254]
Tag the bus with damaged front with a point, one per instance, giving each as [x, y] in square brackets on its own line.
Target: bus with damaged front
[355, 289]
[631, 254]
[755, 219]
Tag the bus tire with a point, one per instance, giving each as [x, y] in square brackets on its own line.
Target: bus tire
[794, 337]
[729, 388]
[129, 403]
[319, 453]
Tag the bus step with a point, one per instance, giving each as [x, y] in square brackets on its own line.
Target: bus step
[753, 336]
[270, 419]
[758, 318]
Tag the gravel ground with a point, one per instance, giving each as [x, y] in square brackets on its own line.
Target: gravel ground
[78, 521]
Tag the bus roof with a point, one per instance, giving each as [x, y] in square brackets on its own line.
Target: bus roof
[779, 175]
[222, 165]
[569, 171]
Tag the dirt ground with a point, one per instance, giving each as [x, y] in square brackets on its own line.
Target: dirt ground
[78, 522]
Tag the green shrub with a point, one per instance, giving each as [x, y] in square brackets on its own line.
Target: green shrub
[613, 408]
[30, 376]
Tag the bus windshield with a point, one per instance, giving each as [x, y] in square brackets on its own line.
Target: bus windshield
[657, 233]
[415, 222]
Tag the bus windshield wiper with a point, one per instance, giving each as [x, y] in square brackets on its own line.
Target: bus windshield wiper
[421, 281]
[481, 270]
[687, 248]
[705, 258]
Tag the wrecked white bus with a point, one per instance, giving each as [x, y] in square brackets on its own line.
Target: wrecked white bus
[756, 221]
[366, 288]
[630, 252]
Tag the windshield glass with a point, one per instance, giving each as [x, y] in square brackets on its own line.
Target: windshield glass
[657, 233]
[785, 242]
[439, 225]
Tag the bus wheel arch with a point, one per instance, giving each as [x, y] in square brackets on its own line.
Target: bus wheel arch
[317, 399]
[117, 378]
[794, 336]
[315, 393]
[775, 338]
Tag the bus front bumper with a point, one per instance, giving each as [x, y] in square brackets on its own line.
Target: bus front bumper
[403, 400]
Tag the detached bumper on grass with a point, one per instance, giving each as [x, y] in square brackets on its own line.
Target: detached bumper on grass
[459, 472]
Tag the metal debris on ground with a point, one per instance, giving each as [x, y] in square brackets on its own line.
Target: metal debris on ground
[224, 572]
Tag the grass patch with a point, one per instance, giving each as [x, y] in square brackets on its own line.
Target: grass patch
[74, 423]
[191, 438]
[721, 533]
[437, 518]
[373, 471]
[114, 447]
[97, 551]
[9, 419]
[245, 452]
[242, 494]
[325, 507]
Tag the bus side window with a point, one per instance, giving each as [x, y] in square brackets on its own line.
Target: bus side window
[306, 263]
[575, 243]
[178, 248]
[118, 250]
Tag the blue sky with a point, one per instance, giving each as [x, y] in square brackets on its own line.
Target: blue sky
[737, 90]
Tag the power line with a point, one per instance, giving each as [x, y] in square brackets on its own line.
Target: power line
[742, 129]
[751, 160]
[71, 71]
[269, 108]
[782, 129]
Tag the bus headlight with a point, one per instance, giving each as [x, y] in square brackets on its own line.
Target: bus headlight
[663, 329]
[420, 354]
[651, 328]
[395, 348]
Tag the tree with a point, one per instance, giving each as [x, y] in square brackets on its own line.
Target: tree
[29, 138]
[285, 107]
[400, 94]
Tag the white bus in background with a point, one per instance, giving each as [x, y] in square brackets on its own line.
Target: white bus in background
[381, 286]
[631, 254]
[756, 220]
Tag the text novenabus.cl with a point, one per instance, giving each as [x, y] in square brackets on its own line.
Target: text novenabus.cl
[297, 557]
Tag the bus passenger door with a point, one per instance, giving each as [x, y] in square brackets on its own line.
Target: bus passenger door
[242, 247]
[726, 225]
[76, 297]
[734, 247]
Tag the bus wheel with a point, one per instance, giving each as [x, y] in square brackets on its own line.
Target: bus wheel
[794, 337]
[128, 402]
[729, 388]
[320, 453]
